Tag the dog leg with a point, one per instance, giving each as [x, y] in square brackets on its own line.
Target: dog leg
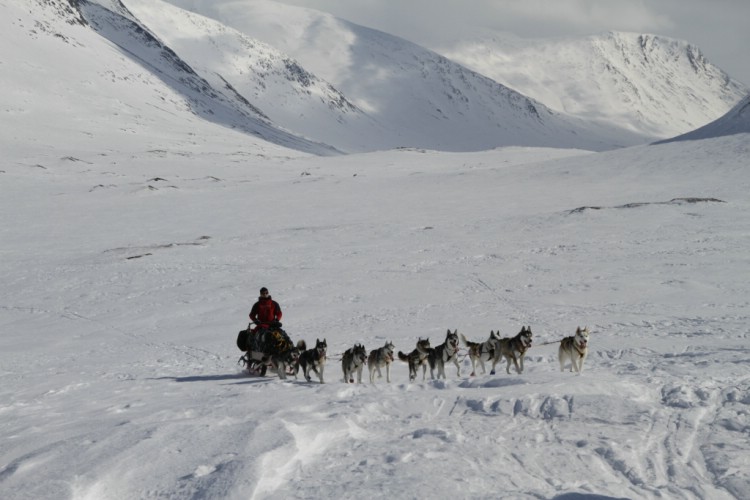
[563, 358]
[387, 373]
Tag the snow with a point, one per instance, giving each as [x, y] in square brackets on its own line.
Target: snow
[121, 304]
[134, 244]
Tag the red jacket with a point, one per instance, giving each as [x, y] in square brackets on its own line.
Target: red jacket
[265, 311]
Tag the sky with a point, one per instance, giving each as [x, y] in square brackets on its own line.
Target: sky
[718, 28]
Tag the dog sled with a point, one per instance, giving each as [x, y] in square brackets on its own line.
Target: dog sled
[268, 347]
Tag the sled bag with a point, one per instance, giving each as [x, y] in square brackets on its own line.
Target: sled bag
[242, 340]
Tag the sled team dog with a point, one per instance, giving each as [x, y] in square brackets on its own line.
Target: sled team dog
[574, 348]
[514, 349]
[444, 353]
[314, 359]
[378, 358]
[481, 352]
[416, 358]
[286, 363]
[353, 361]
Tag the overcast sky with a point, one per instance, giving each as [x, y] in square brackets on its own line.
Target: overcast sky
[720, 28]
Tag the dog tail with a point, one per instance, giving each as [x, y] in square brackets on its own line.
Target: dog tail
[301, 345]
[403, 357]
[467, 343]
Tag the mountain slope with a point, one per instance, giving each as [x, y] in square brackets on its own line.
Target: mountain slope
[107, 66]
[651, 84]
[290, 96]
[736, 121]
[424, 99]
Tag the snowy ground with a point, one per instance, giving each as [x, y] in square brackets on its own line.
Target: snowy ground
[126, 278]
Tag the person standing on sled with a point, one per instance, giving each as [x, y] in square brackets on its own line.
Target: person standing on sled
[266, 312]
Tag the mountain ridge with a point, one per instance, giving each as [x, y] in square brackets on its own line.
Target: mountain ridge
[658, 85]
[370, 91]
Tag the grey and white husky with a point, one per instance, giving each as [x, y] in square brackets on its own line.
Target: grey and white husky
[352, 361]
[479, 352]
[574, 348]
[382, 356]
[444, 353]
[314, 359]
[514, 349]
[417, 358]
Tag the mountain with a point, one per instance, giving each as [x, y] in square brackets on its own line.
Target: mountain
[736, 121]
[148, 60]
[76, 59]
[301, 79]
[422, 98]
[651, 84]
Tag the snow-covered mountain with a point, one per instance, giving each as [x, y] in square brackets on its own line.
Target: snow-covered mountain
[736, 121]
[112, 80]
[422, 98]
[306, 80]
[144, 59]
[652, 84]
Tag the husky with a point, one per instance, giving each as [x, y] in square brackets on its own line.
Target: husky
[417, 358]
[479, 352]
[314, 359]
[283, 356]
[383, 356]
[442, 354]
[352, 361]
[514, 349]
[574, 348]
[287, 362]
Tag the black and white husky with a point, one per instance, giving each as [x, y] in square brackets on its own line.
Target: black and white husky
[444, 353]
[514, 349]
[479, 352]
[382, 356]
[574, 348]
[314, 359]
[352, 361]
[417, 358]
